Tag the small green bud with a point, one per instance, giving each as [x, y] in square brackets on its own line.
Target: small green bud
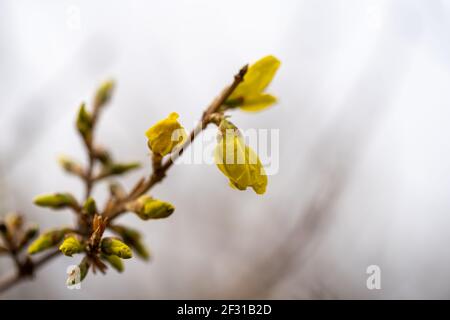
[47, 240]
[70, 246]
[132, 238]
[119, 168]
[113, 246]
[84, 122]
[70, 165]
[90, 207]
[148, 208]
[56, 201]
[114, 261]
[84, 268]
[104, 93]
[141, 250]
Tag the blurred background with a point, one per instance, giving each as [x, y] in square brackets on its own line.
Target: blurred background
[364, 153]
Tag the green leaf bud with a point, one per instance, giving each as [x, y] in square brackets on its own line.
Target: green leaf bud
[114, 261]
[56, 201]
[84, 122]
[132, 238]
[113, 246]
[47, 240]
[71, 246]
[148, 208]
[90, 207]
[119, 168]
[104, 93]
[84, 268]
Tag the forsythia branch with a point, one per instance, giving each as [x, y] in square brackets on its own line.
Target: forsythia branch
[87, 237]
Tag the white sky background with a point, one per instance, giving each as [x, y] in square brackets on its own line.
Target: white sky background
[363, 86]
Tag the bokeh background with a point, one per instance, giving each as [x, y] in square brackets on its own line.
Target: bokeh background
[364, 141]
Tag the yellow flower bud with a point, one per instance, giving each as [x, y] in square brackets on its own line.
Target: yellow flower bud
[112, 246]
[114, 261]
[46, 241]
[165, 135]
[56, 201]
[249, 95]
[70, 246]
[148, 208]
[239, 162]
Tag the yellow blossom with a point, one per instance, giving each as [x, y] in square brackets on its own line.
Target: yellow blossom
[239, 162]
[165, 135]
[249, 95]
